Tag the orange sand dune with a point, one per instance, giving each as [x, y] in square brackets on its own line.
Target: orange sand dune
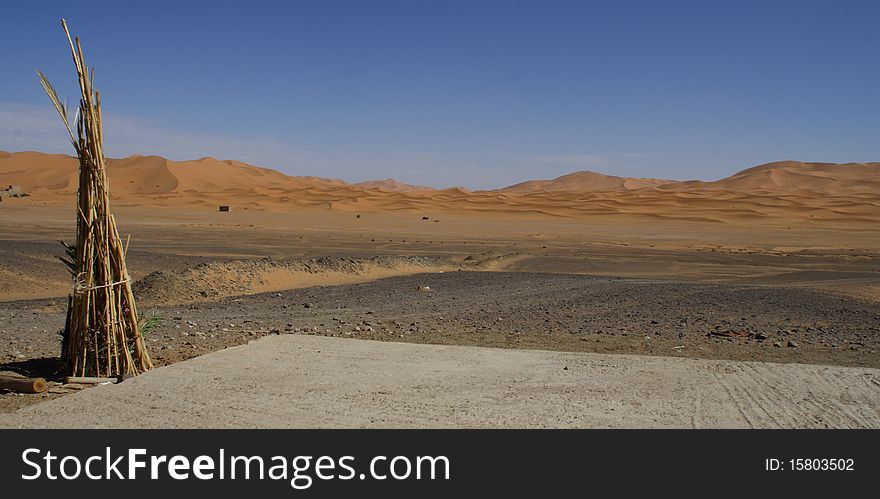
[780, 194]
[390, 184]
[794, 176]
[57, 173]
[586, 181]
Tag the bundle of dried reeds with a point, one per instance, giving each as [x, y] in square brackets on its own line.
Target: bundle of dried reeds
[102, 336]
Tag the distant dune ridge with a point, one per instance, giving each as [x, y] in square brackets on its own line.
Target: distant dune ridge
[586, 182]
[390, 184]
[783, 191]
[831, 178]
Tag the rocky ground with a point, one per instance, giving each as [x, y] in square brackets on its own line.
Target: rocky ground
[499, 309]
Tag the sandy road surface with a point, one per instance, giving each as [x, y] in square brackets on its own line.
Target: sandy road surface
[310, 381]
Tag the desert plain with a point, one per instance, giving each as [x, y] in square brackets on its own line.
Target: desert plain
[584, 301]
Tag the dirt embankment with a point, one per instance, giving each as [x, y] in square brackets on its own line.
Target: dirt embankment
[215, 280]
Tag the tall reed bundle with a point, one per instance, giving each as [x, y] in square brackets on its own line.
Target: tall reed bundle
[102, 336]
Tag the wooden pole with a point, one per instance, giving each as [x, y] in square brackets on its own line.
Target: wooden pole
[23, 385]
[89, 380]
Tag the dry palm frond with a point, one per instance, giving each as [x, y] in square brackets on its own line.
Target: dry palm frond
[70, 261]
[150, 322]
[61, 108]
[102, 334]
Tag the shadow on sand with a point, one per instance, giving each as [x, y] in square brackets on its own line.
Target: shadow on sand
[50, 368]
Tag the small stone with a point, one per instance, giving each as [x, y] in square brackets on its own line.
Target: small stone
[760, 336]
[777, 344]
[792, 344]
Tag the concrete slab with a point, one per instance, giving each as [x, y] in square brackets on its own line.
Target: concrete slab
[295, 381]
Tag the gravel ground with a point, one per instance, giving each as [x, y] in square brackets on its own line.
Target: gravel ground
[509, 310]
[554, 312]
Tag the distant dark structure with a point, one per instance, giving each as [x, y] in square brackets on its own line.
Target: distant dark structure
[425, 218]
[224, 207]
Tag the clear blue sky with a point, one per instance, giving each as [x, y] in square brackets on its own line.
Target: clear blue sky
[474, 93]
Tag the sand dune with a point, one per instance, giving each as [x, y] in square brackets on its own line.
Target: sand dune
[796, 176]
[586, 181]
[781, 193]
[390, 184]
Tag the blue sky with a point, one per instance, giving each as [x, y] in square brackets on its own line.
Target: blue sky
[475, 93]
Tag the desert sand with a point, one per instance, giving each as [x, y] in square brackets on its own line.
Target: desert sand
[778, 263]
[807, 223]
[779, 194]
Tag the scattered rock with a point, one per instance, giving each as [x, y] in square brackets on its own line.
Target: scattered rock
[729, 333]
[792, 344]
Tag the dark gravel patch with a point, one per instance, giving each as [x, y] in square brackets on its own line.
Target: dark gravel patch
[548, 311]
[496, 309]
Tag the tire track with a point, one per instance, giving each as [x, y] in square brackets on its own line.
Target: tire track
[791, 396]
